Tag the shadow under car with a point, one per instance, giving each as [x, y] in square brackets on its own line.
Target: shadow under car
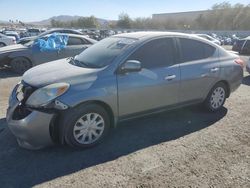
[23, 168]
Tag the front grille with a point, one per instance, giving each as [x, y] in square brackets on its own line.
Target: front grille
[22, 111]
[27, 90]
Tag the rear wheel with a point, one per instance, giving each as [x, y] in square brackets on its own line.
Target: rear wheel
[20, 64]
[85, 126]
[216, 97]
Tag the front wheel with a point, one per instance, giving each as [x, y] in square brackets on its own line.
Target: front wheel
[85, 126]
[20, 64]
[216, 97]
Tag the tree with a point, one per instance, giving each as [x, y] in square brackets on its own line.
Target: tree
[124, 21]
[223, 16]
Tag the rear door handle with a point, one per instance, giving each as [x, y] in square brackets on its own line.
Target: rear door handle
[214, 69]
[170, 77]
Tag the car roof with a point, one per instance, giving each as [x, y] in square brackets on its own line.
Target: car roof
[68, 34]
[63, 29]
[143, 36]
[153, 34]
[73, 35]
[247, 38]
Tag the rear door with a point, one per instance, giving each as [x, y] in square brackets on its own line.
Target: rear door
[75, 46]
[156, 85]
[200, 68]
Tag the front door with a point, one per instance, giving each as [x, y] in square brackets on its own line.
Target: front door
[156, 85]
[40, 57]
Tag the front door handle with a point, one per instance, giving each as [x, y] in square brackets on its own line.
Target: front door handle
[170, 77]
[214, 69]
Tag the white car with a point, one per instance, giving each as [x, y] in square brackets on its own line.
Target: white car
[6, 40]
[33, 32]
[214, 40]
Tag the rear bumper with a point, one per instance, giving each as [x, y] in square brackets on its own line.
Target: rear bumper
[237, 77]
[32, 131]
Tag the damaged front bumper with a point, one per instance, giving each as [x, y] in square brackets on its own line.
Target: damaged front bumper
[31, 129]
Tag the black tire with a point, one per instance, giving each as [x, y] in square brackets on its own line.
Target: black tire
[2, 44]
[209, 102]
[20, 65]
[69, 121]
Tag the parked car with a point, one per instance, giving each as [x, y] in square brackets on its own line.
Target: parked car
[238, 45]
[76, 101]
[12, 34]
[6, 40]
[68, 31]
[245, 49]
[33, 32]
[22, 57]
[207, 37]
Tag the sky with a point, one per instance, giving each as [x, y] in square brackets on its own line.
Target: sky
[37, 10]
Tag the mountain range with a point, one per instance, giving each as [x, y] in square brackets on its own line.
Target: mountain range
[63, 18]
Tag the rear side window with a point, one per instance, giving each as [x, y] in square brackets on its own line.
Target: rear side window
[75, 41]
[192, 50]
[156, 53]
[247, 44]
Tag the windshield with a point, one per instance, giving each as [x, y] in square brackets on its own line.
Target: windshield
[102, 53]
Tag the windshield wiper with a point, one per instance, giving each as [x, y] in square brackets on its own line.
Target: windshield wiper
[76, 62]
[81, 63]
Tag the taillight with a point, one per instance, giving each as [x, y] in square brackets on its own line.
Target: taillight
[240, 62]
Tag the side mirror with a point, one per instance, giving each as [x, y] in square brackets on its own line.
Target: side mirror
[131, 66]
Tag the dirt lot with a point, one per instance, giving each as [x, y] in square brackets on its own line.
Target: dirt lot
[181, 148]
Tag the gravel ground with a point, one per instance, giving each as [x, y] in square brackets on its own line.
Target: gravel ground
[182, 148]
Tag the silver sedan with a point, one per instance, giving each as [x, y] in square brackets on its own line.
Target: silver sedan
[76, 101]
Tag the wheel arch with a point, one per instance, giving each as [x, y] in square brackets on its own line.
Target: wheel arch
[3, 43]
[106, 107]
[11, 57]
[227, 87]
[225, 83]
[57, 134]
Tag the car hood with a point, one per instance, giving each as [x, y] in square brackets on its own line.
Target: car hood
[12, 48]
[59, 71]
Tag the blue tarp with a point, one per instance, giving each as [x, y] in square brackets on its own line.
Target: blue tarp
[53, 43]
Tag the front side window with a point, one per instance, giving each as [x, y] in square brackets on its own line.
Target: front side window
[156, 53]
[193, 50]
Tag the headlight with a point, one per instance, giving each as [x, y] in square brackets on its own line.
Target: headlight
[45, 95]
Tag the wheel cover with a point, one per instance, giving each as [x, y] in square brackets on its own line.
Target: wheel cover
[21, 64]
[2, 45]
[217, 97]
[88, 128]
